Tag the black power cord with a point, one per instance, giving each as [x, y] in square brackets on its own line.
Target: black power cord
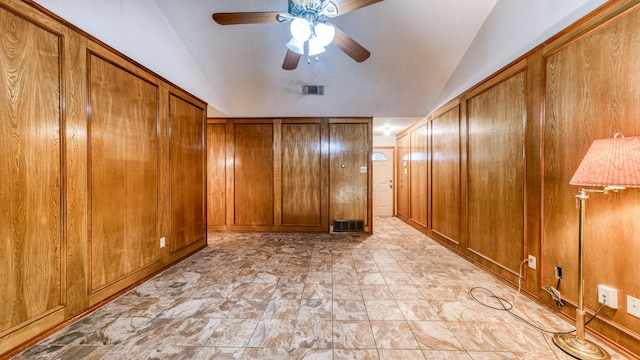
[504, 305]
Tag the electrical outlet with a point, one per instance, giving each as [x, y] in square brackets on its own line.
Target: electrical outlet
[558, 272]
[609, 294]
[532, 261]
[633, 306]
[162, 242]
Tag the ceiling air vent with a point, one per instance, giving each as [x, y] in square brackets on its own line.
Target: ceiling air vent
[313, 89]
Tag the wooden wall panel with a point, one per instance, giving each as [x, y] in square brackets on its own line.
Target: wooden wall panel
[418, 175]
[445, 178]
[31, 244]
[522, 133]
[301, 174]
[254, 176]
[84, 173]
[186, 152]
[76, 173]
[592, 92]
[496, 119]
[216, 174]
[348, 189]
[403, 165]
[123, 144]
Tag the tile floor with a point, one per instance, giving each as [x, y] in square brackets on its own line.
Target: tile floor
[392, 295]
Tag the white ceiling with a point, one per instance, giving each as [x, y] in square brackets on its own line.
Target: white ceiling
[423, 52]
[415, 46]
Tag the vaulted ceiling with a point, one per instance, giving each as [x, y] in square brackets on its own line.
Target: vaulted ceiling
[423, 52]
[415, 45]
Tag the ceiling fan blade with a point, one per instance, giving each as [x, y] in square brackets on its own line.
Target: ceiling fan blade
[346, 6]
[349, 46]
[291, 60]
[245, 18]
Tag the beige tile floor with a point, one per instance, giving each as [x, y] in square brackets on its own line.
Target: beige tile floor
[392, 295]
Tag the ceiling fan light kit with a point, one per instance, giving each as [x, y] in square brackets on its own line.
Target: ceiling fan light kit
[308, 25]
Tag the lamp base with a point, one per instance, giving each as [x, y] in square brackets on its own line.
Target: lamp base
[579, 348]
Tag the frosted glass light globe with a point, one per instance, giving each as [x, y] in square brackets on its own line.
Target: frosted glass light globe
[325, 33]
[300, 29]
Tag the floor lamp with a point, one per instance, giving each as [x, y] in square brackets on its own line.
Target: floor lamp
[610, 165]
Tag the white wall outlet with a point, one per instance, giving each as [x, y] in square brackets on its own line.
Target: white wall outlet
[608, 293]
[363, 169]
[163, 242]
[633, 306]
[532, 262]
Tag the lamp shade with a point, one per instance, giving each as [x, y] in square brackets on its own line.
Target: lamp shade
[610, 162]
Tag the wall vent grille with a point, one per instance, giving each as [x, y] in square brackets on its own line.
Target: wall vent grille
[348, 225]
[313, 89]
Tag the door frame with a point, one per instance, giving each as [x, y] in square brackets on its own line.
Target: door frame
[394, 175]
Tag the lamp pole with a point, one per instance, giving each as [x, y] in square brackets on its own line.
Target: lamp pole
[577, 345]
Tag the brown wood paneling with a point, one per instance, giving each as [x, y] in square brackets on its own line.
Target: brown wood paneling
[31, 244]
[76, 172]
[78, 138]
[216, 174]
[496, 119]
[301, 174]
[592, 88]
[186, 153]
[403, 165]
[349, 152]
[418, 176]
[123, 172]
[445, 174]
[253, 172]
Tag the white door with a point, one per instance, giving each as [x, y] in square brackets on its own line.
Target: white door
[382, 182]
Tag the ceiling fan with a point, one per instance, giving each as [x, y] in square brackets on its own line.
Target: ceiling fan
[309, 26]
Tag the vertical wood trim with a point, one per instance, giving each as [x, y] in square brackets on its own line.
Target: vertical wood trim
[369, 176]
[277, 173]
[76, 172]
[326, 174]
[230, 166]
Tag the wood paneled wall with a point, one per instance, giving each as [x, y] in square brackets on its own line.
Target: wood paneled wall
[502, 155]
[445, 170]
[419, 157]
[88, 169]
[286, 174]
[593, 92]
[253, 175]
[495, 163]
[31, 180]
[123, 158]
[187, 173]
[403, 167]
[216, 174]
[350, 164]
[302, 174]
